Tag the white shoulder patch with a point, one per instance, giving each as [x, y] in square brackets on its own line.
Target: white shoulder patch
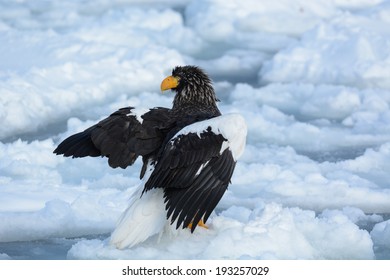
[137, 113]
[231, 126]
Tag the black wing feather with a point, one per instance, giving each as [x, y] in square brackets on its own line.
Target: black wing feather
[180, 161]
[197, 202]
[78, 145]
[120, 137]
[194, 175]
[191, 168]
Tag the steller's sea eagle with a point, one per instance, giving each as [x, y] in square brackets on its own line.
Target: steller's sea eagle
[189, 153]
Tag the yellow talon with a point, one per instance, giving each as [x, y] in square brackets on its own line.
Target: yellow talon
[200, 223]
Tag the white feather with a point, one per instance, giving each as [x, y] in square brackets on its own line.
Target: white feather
[137, 113]
[231, 126]
[144, 218]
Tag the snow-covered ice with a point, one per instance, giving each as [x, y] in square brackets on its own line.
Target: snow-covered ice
[311, 79]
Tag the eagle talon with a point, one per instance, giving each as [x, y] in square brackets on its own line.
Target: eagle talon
[200, 224]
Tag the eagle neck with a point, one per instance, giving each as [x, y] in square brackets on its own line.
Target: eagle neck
[190, 100]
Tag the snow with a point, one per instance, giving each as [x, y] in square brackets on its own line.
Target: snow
[381, 236]
[311, 80]
[266, 232]
[352, 50]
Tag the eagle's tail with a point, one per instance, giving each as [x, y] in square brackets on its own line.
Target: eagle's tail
[146, 216]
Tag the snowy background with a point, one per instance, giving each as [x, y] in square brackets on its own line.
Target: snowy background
[311, 78]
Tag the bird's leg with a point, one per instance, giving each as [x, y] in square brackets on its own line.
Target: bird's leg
[200, 223]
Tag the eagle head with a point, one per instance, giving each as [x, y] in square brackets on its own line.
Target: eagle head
[191, 85]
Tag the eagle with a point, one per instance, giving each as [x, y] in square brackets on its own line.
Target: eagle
[188, 153]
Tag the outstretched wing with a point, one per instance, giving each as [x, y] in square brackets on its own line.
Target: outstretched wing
[121, 137]
[195, 169]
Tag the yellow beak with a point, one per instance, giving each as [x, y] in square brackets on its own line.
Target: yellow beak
[169, 83]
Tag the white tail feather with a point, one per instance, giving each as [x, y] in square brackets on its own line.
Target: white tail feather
[146, 216]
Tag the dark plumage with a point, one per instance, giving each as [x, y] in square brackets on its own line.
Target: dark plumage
[189, 159]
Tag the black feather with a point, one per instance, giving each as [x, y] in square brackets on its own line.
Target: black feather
[190, 167]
